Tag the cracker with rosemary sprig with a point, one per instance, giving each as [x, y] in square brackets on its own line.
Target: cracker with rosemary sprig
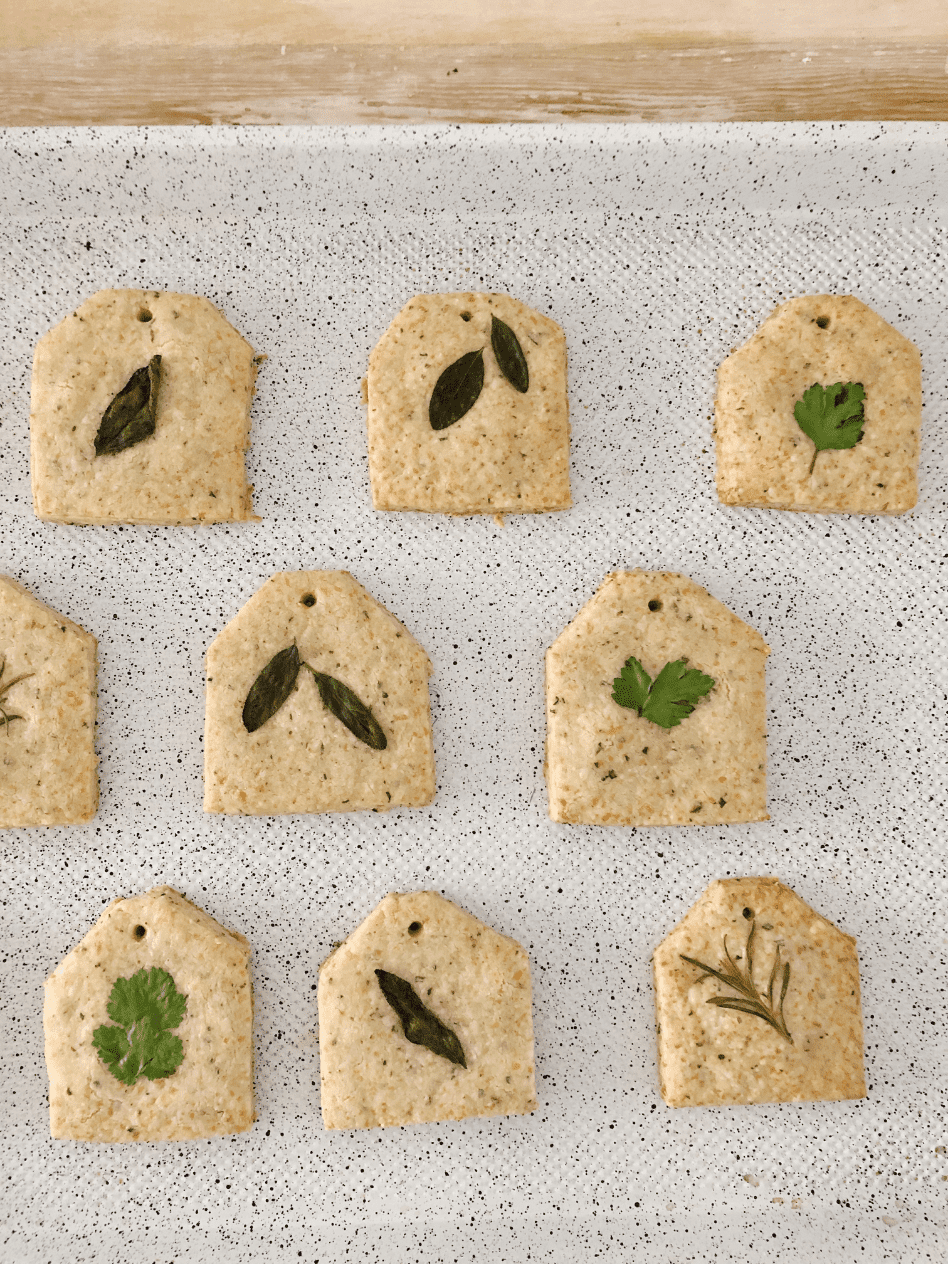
[48, 764]
[141, 413]
[757, 1000]
[424, 1013]
[820, 411]
[467, 408]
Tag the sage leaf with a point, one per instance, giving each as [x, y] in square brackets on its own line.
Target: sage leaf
[420, 1026]
[509, 355]
[456, 390]
[130, 417]
[271, 688]
[347, 707]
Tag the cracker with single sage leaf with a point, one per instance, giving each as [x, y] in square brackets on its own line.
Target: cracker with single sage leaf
[48, 764]
[424, 1014]
[655, 708]
[820, 411]
[317, 701]
[149, 1026]
[757, 1000]
[468, 409]
[141, 413]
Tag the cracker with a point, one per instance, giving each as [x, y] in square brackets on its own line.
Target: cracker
[764, 457]
[191, 470]
[211, 1091]
[715, 1056]
[606, 765]
[475, 980]
[48, 764]
[509, 453]
[304, 759]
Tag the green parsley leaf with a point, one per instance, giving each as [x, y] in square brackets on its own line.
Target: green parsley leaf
[667, 699]
[832, 416]
[145, 1007]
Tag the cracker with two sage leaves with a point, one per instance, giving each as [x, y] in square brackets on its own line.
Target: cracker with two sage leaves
[655, 708]
[48, 764]
[467, 408]
[820, 411]
[141, 413]
[757, 1000]
[317, 701]
[149, 1026]
[424, 1014]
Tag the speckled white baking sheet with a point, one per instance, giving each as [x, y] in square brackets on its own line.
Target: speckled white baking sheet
[658, 249]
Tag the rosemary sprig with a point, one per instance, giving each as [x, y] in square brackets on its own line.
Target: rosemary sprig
[6, 717]
[750, 1000]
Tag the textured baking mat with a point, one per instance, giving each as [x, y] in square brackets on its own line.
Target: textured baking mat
[658, 249]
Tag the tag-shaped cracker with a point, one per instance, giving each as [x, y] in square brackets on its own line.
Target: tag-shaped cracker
[317, 701]
[467, 408]
[835, 342]
[424, 1014]
[148, 1026]
[141, 413]
[653, 640]
[757, 1000]
[48, 764]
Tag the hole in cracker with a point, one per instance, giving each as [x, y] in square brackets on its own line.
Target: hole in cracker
[823, 322]
[414, 928]
[465, 315]
[307, 600]
[654, 604]
[144, 315]
[749, 913]
[139, 932]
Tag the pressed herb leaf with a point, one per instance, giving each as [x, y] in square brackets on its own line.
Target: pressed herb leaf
[509, 354]
[7, 717]
[347, 707]
[130, 417]
[667, 699]
[271, 688]
[832, 416]
[145, 1007]
[419, 1024]
[456, 390]
[750, 1000]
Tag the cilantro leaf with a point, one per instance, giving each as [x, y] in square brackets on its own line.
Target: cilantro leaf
[667, 699]
[832, 416]
[144, 1006]
[630, 687]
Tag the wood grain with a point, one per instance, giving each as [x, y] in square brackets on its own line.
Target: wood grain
[471, 84]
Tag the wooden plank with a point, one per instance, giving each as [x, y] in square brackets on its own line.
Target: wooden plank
[472, 84]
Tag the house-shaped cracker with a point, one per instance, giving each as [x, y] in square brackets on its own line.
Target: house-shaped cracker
[467, 408]
[610, 764]
[424, 1013]
[317, 701]
[757, 1000]
[48, 764]
[148, 1026]
[141, 413]
[764, 456]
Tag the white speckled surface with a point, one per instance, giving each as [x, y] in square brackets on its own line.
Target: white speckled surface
[657, 249]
